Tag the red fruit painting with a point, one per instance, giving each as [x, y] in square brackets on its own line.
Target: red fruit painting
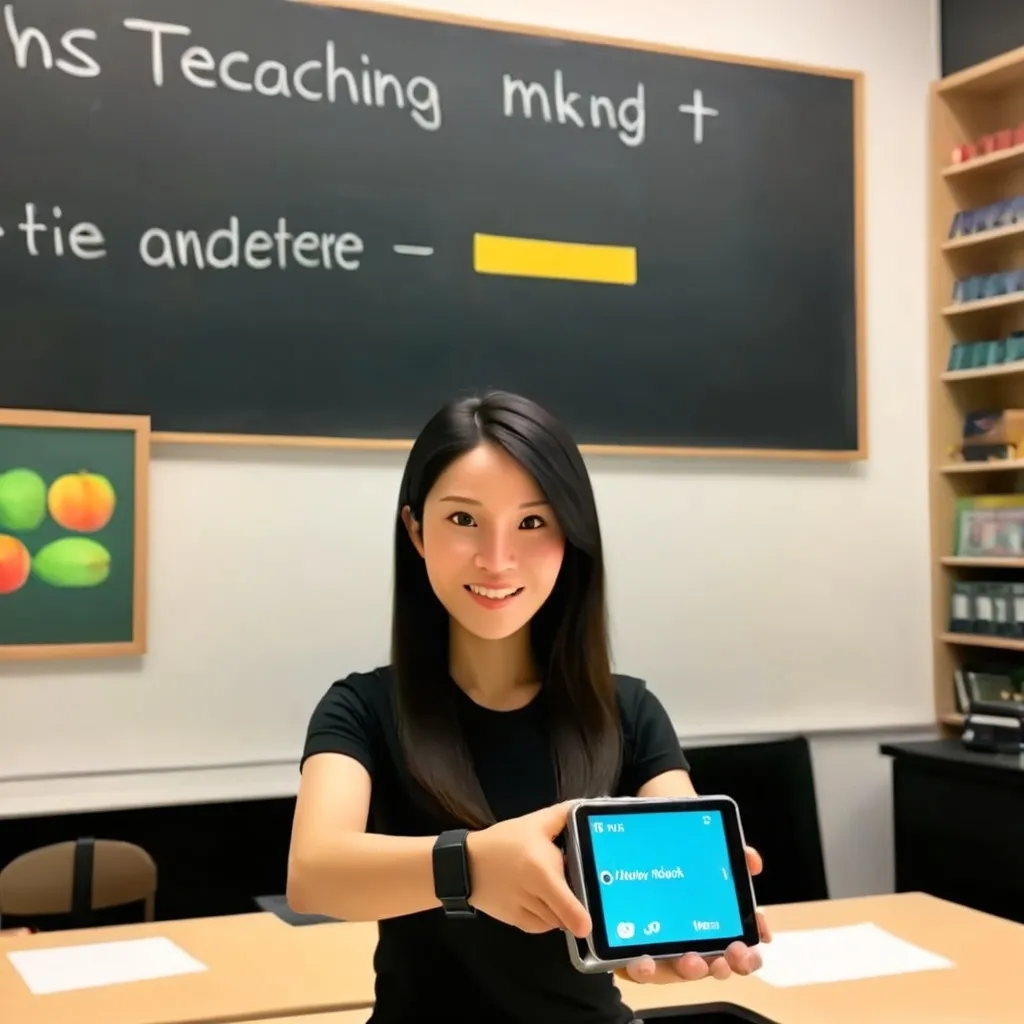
[15, 564]
[83, 502]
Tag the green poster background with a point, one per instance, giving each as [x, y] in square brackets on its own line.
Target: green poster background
[42, 614]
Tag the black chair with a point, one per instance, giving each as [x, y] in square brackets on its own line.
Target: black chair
[772, 782]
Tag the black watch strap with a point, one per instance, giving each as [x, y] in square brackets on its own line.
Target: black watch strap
[451, 873]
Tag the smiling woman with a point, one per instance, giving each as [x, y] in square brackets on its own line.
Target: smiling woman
[433, 788]
[496, 496]
[486, 529]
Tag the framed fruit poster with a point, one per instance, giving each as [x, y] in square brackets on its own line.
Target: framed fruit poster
[73, 534]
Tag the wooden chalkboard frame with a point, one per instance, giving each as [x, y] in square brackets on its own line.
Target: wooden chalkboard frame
[859, 453]
[140, 426]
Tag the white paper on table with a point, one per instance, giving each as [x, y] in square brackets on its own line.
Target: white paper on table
[66, 968]
[817, 955]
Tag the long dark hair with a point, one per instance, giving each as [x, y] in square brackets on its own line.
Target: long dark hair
[568, 634]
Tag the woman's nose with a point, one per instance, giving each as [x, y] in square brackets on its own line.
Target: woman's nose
[496, 553]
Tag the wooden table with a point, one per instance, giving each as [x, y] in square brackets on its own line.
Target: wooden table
[980, 989]
[258, 967]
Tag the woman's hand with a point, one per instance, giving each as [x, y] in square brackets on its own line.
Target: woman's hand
[517, 874]
[738, 959]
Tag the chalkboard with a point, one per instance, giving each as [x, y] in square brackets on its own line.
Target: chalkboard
[258, 219]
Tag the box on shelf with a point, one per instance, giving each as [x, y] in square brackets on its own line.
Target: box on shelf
[999, 426]
[989, 526]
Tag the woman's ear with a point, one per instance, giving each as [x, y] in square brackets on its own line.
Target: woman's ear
[413, 528]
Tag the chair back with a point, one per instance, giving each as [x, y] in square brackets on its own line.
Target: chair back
[772, 782]
[78, 884]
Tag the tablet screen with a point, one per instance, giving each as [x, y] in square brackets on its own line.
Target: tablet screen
[661, 879]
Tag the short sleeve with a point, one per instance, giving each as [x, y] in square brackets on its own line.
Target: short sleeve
[652, 745]
[343, 722]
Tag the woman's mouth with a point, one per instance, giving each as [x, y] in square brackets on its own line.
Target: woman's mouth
[493, 597]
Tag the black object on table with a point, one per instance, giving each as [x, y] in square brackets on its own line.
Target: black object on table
[958, 824]
[278, 905]
[706, 1013]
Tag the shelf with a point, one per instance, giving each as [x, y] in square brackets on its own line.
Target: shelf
[980, 305]
[994, 466]
[987, 99]
[1002, 643]
[967, 562]
[996, 75]
[1001, 159]
[999, 370]
[982, 238]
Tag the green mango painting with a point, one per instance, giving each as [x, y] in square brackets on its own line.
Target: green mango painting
[22, 500]
[72, 562]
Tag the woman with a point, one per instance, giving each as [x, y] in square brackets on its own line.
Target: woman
[498, 707]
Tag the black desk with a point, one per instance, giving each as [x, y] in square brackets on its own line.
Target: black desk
[958, 824]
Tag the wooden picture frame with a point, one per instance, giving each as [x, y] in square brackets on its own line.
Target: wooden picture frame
[74, 536]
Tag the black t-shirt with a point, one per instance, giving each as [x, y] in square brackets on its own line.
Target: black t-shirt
[481, 970]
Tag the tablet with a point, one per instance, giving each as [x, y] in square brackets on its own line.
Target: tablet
[660, 877]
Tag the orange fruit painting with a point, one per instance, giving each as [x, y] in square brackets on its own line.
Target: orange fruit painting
[15, 564]
[81, 501]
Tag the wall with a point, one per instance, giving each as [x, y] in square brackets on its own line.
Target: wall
[756, 598]
[975, 30]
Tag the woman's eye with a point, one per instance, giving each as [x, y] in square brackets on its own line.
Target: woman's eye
[461, 518]
[531, 523]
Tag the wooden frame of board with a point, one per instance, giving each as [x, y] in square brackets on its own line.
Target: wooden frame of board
[139, 427]
[965, 107]
[856, 77]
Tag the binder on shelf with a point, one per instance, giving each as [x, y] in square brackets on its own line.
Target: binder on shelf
[987, 608]
[1002, 606]
[984, 613]
[961, 610]
[1017, 610]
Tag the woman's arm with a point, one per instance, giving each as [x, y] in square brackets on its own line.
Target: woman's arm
[337, 869]
[673, 783]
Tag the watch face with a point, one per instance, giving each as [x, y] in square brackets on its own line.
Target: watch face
[666, 879]
[451, 871]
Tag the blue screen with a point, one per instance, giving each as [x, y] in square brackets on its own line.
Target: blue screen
[664, 877]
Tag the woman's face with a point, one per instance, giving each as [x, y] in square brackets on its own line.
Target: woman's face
[491, 544]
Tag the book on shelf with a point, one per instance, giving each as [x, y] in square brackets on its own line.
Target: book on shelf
[986, 352]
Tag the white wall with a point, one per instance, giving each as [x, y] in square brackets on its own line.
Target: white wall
[756, 598]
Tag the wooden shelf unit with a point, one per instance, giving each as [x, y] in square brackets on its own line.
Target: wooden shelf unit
[964, 107]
